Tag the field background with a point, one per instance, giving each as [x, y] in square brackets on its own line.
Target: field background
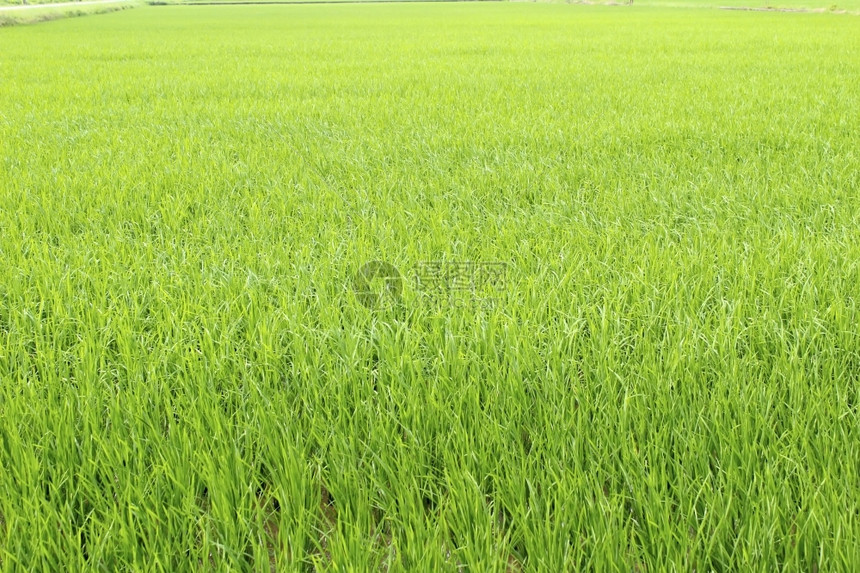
[668, 379]
[829, 5]
[17, 14]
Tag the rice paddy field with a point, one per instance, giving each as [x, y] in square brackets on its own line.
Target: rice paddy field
[665, 378]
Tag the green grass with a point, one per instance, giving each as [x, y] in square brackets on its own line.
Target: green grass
[852, 6]
[668, 381]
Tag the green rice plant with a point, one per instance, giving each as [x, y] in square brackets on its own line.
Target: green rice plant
[666, 379]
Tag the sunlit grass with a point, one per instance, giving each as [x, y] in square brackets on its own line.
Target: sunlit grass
[669, 377]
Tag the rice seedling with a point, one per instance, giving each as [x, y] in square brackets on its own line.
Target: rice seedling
[667, 376]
